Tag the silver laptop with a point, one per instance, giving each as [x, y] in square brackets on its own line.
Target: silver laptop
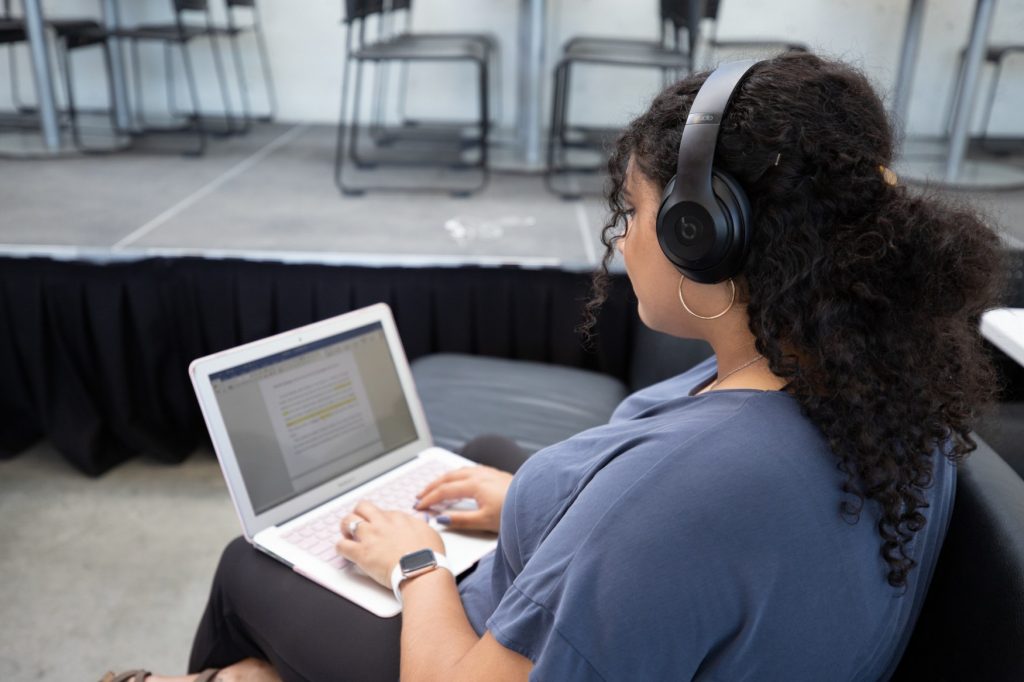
[307, 423]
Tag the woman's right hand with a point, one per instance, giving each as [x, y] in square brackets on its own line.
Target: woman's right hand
[486, 485]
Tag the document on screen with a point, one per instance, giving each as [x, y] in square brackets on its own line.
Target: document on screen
[320, 413]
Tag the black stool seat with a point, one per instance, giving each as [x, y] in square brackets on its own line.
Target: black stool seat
[12, 31]
[488, 39]
[996, 53]
[632, 54]
[755, 43]
[423, 47]
[79, 32]
[171, 32]
[589, 43]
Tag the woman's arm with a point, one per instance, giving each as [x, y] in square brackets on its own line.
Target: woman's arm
[438, 643]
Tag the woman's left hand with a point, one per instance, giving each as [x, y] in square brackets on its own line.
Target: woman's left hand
[384, 537]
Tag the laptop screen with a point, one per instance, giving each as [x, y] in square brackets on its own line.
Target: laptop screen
[301, 417]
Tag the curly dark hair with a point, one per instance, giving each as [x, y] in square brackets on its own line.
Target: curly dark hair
[865, 297]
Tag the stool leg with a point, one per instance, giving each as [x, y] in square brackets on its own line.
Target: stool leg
[268, 77]
[186, 60]
[222, 81]
[353, 131]
[140, 109]
[563, 114]
[243, 83]
[958, 85]
[485, 110]
[340, 151]
[991, 98]
[114, 126]
[172, 86]
[403, 85]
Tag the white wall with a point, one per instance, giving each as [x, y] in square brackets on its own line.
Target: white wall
[306, 45]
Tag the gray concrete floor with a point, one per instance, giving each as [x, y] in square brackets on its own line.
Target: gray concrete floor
[108, 573]
[271, 194]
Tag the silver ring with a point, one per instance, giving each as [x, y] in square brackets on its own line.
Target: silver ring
[353, 526]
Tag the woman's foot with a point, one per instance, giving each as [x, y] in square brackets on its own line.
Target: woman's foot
[248, 670]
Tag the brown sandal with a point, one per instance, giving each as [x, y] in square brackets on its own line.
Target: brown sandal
[141, 675]
[129, 676]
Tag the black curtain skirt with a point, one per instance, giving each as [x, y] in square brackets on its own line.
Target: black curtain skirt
[94, 356]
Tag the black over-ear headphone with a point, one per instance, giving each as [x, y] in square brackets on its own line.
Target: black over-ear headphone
[704, 220]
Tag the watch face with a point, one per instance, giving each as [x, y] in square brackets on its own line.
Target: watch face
[416, 561]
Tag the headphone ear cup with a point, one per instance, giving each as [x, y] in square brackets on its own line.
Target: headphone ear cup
[731, 198]
[735, 206]
[731, 214]
[663, 227]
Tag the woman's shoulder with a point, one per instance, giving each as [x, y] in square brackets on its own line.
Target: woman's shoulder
[667, 389]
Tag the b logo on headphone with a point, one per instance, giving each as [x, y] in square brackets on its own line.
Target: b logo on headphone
[704, 219]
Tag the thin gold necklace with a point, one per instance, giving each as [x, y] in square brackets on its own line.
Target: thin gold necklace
[721, 379]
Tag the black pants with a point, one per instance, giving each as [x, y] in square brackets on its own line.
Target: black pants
[259, 608]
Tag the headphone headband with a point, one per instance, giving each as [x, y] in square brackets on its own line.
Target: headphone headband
[700, 133]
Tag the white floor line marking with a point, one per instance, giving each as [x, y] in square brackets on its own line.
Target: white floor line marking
[211, 186]
[588, 238]
[1013, 240]
[584, 224]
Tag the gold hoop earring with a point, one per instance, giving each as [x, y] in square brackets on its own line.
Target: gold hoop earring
[682, 300]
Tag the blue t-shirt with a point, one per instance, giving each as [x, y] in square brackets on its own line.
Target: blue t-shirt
[697, 537]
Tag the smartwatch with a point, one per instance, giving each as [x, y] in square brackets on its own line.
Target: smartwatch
[414, 564]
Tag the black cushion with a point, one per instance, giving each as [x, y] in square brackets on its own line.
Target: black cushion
[534, 404]
[1003, 429]
[972, 624]
[658, 356]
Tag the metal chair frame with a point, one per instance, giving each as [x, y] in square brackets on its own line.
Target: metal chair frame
[994, 54]
[12, 63]
[397, 47]
[71, 35]
[64, 62]
[409, 127]
[665, 54]
[233, 30]
[255, 26]
[710, 11]
[181, 34]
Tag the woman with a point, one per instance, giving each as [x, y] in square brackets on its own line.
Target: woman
[774, 513]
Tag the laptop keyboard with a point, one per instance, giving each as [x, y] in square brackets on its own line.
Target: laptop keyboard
[320, 534]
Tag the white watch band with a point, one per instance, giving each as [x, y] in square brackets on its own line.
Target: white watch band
[397, 577]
